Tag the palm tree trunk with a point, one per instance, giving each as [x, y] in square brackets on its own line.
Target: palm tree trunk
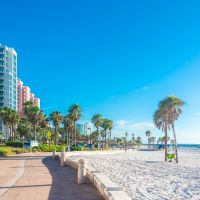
[110, 138]
[175, 142]
[165, 145]
[105, 139]
[75, 133]
[10, 134]
[13, 132]
[34, 132]
[97, 137]
[6, 131]
[56, 139]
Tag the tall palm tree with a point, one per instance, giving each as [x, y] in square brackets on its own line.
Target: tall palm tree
[14, 120]
[152, 140]
[126, 135]
[68, 126]
[161, 122]
[34, 115]
[172, 108]
[97, 120]
[35, 118]
[138, 141]
[57, 119]
[133, 138]
[24, 128]
[4, 117]
[75, 114]
[105, 125]
[10, 119]
[148, 134]
[110, 130]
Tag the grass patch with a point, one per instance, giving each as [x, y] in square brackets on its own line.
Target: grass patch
[10, 151]
[6, 151]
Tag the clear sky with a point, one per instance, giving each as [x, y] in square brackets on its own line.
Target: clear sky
[118, 58]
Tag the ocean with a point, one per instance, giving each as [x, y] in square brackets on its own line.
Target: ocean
[189, 146]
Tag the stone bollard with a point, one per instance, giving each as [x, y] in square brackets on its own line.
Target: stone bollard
[62, 158]
[81, 174]
[54, 153]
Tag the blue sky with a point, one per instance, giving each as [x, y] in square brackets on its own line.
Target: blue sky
[118, 58]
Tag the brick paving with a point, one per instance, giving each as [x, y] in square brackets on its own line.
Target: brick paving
[43, 179]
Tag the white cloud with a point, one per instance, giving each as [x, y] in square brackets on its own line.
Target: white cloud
[124, 125]
[188, 136]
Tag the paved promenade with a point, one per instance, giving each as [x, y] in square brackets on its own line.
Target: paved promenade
[39, 177]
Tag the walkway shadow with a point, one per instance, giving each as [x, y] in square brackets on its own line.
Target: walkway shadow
[64, 185]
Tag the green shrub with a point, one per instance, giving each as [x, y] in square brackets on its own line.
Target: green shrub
[14, 144]
[78, 148]
[48, 148]
[7, 153]
[18, 151]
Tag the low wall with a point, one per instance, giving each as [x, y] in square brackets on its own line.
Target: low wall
[108, 189]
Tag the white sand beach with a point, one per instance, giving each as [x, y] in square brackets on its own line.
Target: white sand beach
[144, 175]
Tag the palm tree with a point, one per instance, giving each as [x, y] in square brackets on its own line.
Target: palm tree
[14, 120]
[75, 114]
[106, 126]
[172, 108]
[68, 126]
[4, 115]
[153, 139]
[24, 128]
[110, 129]
[161, 122]
[148, 134]
[133, 138]
[138, 141]
[97, 120]
[10, 119]
[34, 115]
[126, 135]
[35, 118]
[57, 119]
[168, 112]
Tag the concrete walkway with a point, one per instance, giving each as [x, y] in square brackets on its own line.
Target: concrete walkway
[42, 179]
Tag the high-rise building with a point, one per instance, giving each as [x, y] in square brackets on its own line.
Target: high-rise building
[24, 95]
[8, 79]
[84, 128]
[19, 97]
[37, 102]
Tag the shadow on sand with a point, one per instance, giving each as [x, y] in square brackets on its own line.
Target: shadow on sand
[64, 185]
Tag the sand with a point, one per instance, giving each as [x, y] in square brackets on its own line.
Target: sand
[144, 175]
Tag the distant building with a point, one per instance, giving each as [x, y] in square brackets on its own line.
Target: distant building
[24, 95]
[84, 128]
[8, 80]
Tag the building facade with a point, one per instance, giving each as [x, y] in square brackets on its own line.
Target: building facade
[84, 128]
[24, 95]
[8, 80]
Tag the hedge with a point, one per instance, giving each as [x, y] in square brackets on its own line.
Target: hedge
[48, 148]
[58, 148]
[14, 144]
